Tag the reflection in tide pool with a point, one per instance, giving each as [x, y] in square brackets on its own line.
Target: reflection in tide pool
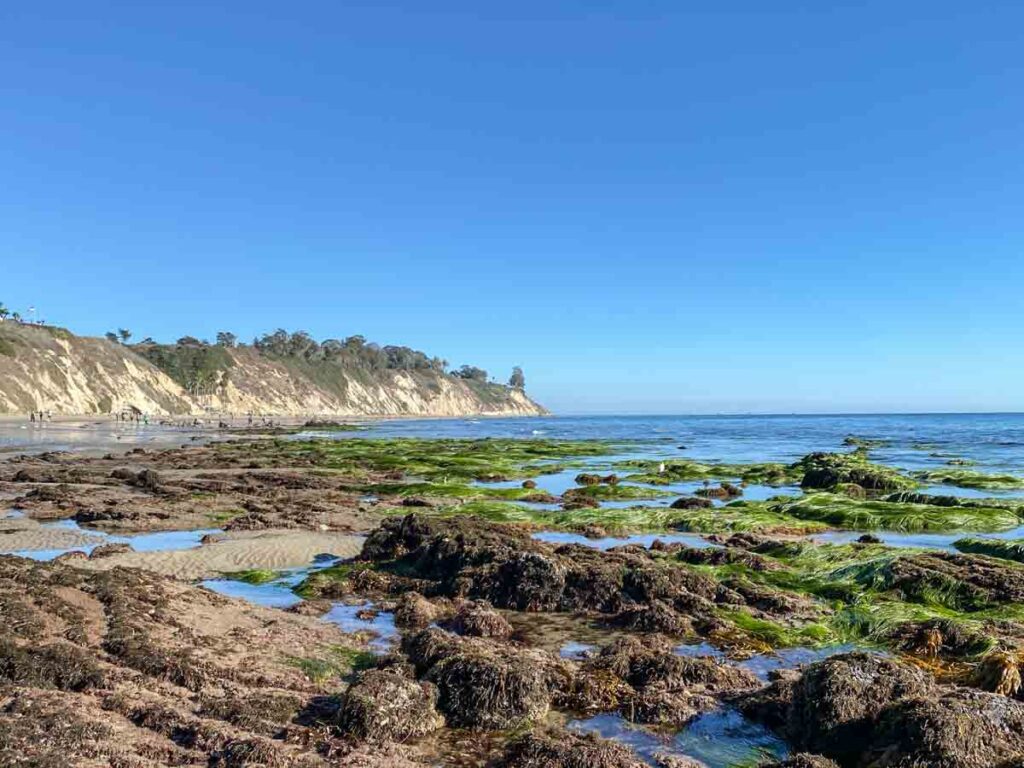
[644, 540]
[574, 649]
[762, 664]
[380, 623]
[271, 595]
[718, 739]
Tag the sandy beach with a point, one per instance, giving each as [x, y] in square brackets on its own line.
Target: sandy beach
[263, 550]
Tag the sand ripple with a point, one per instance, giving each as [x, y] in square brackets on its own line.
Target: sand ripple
[273, 549]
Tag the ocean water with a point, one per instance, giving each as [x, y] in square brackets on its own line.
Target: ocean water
[915, 441]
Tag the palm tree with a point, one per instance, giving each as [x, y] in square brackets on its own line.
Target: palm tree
[16, 317]
[4, 311]
[125, 334]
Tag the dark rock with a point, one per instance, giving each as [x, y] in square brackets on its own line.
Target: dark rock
[478, 619]
[723, 491]
[692, 502]
[960, 729]
[827, 470]
[414, 611]
[107, 550]
[832, 707]
[567, 750]
[803, 760]
[412, 501]
[382, 705]
[482, 684]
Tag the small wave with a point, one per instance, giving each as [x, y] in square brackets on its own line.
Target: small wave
[539, 432]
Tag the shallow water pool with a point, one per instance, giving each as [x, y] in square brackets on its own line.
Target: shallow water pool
[719, 739]
[382, 624]
[160, 541]
[943, 541]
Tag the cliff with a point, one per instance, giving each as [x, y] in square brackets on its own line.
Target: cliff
[52, 369]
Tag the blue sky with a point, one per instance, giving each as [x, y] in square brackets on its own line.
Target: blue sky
[650, 206]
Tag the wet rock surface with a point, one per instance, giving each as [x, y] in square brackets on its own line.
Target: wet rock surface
[567, 750]
[125, 668]
[130, 670]
[384, 705]
[483, 683]
[648, 683]
[863, 710]
[464, 557]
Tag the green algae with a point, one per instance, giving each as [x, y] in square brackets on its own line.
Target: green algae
[844, 512]
[742, 516]
[341, 661]
[329, 579]
[824, 471]
[1004, 549]
[447, 490]
[685, 470]
[864, 603]
[966, 478]
[225, 515]
[254, 576]
[438, 460]
[620, 492]
[778, 635]
[867, 443]
[735, 517]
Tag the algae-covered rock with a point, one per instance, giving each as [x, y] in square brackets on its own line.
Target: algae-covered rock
[108, 550]
[962, 582]
[478, 619]
[803, 760]
[1002, 548]
[464, 557]
[725, 490]
[414, 611]
[692, 502]
[55, 665]
[828, 470]
[483, 684]
[998, 672]
[959, 729]
[567, 750]
[831, 708]
[383, 705]
[649, 683]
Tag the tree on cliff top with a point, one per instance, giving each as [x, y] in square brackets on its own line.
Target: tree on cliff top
[472, 373]
[517, 380]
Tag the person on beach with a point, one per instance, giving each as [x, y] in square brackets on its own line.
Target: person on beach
[32, 416]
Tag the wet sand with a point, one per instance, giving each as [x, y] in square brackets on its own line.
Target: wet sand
[233, 551]
[263, 550]
[21, 534]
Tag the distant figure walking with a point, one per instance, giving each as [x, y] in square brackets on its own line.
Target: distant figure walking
[32, 416]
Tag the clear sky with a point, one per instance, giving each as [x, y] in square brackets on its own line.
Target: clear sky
[651, 206]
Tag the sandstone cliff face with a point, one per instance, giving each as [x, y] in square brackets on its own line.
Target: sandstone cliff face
[50, 369]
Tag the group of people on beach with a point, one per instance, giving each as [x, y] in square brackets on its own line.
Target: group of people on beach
[40, 416]
[136, 417]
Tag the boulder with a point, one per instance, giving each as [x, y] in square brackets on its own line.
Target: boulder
[384, 706]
